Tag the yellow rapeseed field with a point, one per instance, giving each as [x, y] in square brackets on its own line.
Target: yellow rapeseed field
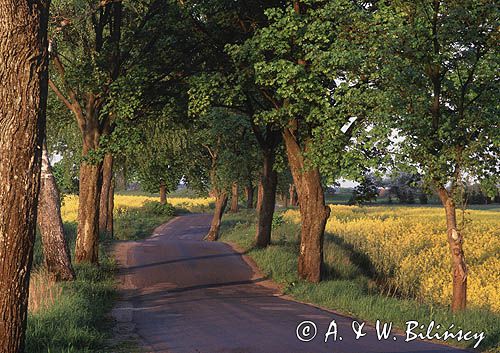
[407, 246]
[69, 210]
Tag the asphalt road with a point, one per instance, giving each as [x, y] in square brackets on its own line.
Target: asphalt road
[182, 294]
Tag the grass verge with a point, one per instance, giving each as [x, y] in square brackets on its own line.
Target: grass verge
[348, 287]
[70, 317]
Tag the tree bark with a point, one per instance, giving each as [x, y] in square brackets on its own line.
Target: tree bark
[293, 196]
[163, 193]
[23, 99]
[107, 197]
[234, 198]
[267, 196]
[249, 191]
[455, 241]
[55, 249]
[221, 198]
[313, 211]
[87, 240]
[260, 193]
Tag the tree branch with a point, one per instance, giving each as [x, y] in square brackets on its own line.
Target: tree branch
[61, 96]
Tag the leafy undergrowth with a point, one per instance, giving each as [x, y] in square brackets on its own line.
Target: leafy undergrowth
[349, 286]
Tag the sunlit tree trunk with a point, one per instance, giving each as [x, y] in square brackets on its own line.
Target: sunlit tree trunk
[293, 196]
[221, 198]
[163, 193]
[313, 211]
[87, 241]
[455, 241]
[23, 99]
[260, 193]
[55, 249]
[234, 198]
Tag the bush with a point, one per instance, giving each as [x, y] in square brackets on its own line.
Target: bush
[158, 209]
[277, 221]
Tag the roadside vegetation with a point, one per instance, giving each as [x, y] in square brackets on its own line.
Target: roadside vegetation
[70, 316]
[73, 317]
[372, 273]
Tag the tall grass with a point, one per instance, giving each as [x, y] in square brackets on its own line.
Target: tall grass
[44, 293]
[70, 317]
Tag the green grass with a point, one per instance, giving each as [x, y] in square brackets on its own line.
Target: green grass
[139, 223]
[349, 287]
[77, 322]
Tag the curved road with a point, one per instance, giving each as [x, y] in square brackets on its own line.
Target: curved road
[181, 294]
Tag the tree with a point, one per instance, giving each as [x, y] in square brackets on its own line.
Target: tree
[309, 81]
[55, 249]
[230, 84]
[234, 198]
[87, 37]
[159, 172]
[106, 56]
[220, 146]
[365, 192]
[23, 99]
[106, 202]
[404, 186]
[440, 71]
[63, 139]
[286, 188]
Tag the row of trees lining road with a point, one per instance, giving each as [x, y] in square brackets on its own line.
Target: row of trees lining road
[232, 94]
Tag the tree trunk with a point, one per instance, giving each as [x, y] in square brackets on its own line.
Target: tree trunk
[87, 239]
[260, 193]
[293, 196]
[107, 197]
[87, 242]
[249, 191]
[455, 241]
[23, 99]
[55, 249]
[313, 211]
[234, 198]
[285, 200]
[221, 198]
[267, 196]
[163, 193]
